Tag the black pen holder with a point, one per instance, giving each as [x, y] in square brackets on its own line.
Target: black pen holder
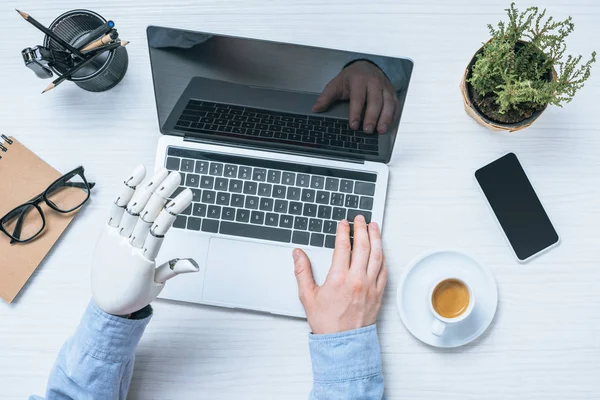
[106, 70]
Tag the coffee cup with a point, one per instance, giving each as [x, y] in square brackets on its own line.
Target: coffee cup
[451, 301]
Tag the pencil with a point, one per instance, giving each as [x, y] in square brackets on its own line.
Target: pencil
[109, 46]
[102, 41]
[99, 31]
[48, 32]
[69, 74]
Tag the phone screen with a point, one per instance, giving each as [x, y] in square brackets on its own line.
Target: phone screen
[517, 207]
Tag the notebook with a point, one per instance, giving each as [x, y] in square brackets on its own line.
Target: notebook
[23, 175]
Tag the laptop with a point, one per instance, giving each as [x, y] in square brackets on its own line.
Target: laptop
[268, 174]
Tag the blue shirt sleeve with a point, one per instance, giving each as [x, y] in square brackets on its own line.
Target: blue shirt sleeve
[97, 362]
[347, 365]
[392, 68]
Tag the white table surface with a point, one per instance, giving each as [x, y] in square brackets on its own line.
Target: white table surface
[544, 342]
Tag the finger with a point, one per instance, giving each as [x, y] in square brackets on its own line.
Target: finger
[382, 278]
[129, 185]
[163, 223]
[376, 255]
[362, 246]
[341, 253]
[374, 105]
[387, 112]
[304, 277]
[153, 207]
[358, 94]
[172, 268]
[138, 202]
[329, 95]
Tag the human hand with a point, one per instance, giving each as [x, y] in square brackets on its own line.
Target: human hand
[359, 82]
[351, 296]
[124, 277]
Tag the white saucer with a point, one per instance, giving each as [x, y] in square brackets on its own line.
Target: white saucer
[415, 287]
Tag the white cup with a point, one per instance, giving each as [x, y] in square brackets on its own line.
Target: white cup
[439, 322]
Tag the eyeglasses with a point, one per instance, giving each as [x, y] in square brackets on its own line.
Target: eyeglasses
[66, 194]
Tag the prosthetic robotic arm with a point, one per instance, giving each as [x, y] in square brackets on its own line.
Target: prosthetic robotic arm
[124, 274]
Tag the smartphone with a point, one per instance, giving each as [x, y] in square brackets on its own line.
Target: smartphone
[517, 207]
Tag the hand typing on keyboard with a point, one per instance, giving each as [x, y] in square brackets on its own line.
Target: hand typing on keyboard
[351, 296]
[363, 82]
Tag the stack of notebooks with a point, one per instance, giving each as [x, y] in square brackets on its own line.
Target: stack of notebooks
[24, 176]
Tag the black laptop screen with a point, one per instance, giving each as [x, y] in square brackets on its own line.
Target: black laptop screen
[262, 94]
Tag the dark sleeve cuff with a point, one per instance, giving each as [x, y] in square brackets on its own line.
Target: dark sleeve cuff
[345, 356]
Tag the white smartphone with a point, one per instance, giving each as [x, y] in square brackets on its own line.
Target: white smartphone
[517, 207]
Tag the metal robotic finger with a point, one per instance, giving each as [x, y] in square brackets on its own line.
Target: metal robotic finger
[134, 179]
[173, 268]
[138, 202]
[164, 222]
[152, 209]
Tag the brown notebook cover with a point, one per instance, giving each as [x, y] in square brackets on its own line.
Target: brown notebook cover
[23, 175]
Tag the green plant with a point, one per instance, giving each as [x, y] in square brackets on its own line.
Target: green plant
[515, 67]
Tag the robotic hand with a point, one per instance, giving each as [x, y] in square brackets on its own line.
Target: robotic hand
[124, 277]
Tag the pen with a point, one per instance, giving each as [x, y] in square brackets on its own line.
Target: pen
[102, 41]
[99, 31]
[69, 74]
[51, 34]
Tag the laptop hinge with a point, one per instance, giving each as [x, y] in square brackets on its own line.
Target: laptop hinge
[281, 151]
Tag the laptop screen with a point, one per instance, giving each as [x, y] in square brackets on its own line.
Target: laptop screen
[277, 96]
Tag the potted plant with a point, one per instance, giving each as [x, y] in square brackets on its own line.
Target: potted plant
[521, 70]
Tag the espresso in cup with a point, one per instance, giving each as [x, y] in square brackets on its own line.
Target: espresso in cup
[450, 298]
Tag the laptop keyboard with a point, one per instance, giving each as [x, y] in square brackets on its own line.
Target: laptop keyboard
[269, 200]
[296, 129]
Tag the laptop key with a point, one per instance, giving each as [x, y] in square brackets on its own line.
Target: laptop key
[266, 204]
[214, 212]
[208, 196]
[199, 210]
[338, 213]
[216, 169]
[302, 180]
[207, 182]
[210, 225]
[332, 184]
[221, 184]
[271, 219]
[264, 189]
[281, 206]
[228, 214]
[272, 176]
[330, 241]
[300, 237]
[250, 187]
[317, 239]
[257, 217]
[187, 211]
[293, 193]
[244, 173]
[353, 213]
[366, 203]
[252, 202]
[260, 174]
[235, 186]
[288, 178]
[172, 163]
[242, 215]
[192, 180]
[315, 225]
[301, 223]
[317, 182]
[330, 227]
[365, 188]
[324, 212]
[223, 198]
[310, 210]
[180, 222]
[193, 223]
[286, 221]
[346, 186]
[351, 201]
[187, 165]
[279, 192]
[337, 199]
[237, 200]
[230, 171]
[196, 195]
[322, 197]
[295, 208]
[308, 195]
[256, 232]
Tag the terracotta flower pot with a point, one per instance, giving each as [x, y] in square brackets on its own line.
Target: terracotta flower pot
[472, 109]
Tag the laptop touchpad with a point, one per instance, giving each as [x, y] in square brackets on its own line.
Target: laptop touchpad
[256, 276]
